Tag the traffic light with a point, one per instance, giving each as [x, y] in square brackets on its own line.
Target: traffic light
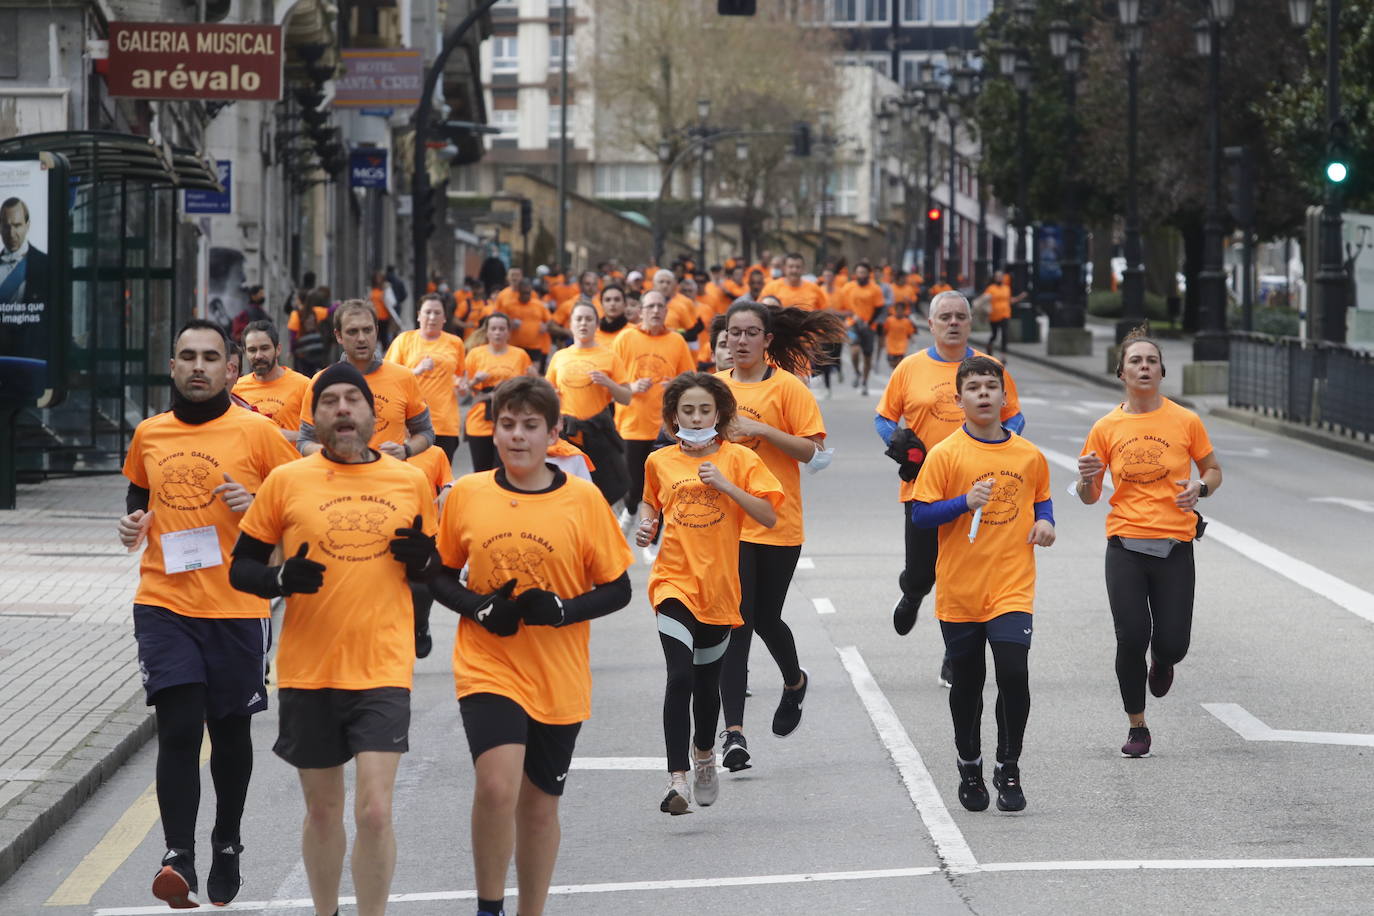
[736, 7]
[1336, 166]
[933, 216]
[801, 140]
[526, 216]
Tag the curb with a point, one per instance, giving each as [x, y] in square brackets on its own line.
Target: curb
[1309, 434]
[29, 820]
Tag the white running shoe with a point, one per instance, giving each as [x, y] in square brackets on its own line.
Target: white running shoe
[705, 785]
[627, 521]
[679, 797]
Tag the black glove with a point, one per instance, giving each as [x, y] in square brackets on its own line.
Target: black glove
[300, 576]
[540, 608]
[499, 615]
[414, 548]
[908, 451]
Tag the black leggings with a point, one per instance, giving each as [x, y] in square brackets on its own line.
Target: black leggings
[765, 572]
[636, 453]
[693, 690]
[1152, 607]
[448, 443]
[483, 453]
[999, 327]
[180, 724]
[607, 451]
[922, 549]
[969, 672]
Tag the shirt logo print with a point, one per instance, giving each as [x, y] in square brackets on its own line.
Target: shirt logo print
[943, 404]
[577, 373]
[1141, 464]
[698, 506]
[651, 365]
[355, 534]
[1001, 507]
[186, 486]
[526, 567]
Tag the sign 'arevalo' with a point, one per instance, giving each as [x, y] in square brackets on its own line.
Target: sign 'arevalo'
[157, 60]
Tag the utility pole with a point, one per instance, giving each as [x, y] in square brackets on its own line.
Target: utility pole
[563, 142]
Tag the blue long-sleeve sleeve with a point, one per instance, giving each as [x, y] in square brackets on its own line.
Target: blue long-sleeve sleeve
[933, 515]
[1015, 423]
[1045, 510]
[886, 427]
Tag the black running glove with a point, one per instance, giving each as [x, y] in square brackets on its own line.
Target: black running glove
[540, 608]
[299, 575]
[415, 549]
[499, 615]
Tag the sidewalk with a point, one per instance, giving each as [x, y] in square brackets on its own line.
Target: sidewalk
[71, 702]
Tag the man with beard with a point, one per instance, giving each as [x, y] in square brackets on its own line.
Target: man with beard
[202, 646]
[347, 645]
[863, 299]
[274, 390]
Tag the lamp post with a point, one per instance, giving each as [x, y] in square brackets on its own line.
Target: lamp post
[827, 147]
[1211, 342]
[928, 116]
[960, 89]
[1133, 278]
[1069, 314]
[703, 113]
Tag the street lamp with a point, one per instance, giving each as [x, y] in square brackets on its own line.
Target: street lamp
[1021, 80]
[1070, 313]
[703, 113]
[1211, 342]
[953, 109]
[1133, 278]
[827, 148]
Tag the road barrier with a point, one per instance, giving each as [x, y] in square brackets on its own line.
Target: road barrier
[1304, 381]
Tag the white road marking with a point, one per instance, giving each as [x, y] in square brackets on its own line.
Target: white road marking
[806, 563]
[1339, 592]
[823, 605]
[1252, 729]
[619, 763]
[950, 844]
[1363, 505]
[1256, 452]
[1164, 864]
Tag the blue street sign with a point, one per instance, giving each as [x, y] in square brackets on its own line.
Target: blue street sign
[367, 168]
[209, 201]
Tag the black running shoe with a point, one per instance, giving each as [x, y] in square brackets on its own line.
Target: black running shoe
[973, 792]
[1006, 777]
[904, 614]
[789, 711]
[946, 678]
[1160, 678]
[424, 643]
[1137, 743]
[734, 752]
[175, 882]
[223, 883]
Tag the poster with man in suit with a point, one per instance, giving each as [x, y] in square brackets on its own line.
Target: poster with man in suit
[23, 264]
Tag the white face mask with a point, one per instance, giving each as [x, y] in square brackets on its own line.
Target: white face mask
[697, 436]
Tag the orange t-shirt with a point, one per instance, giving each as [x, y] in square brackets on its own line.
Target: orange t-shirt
[1146, 453]
[994, 575]
[505, 297]
[783, 402]
[563, 314]
[607, 338]
[379, 304]
[682, 313]
[180, 464]
[564, 449]
[898, 333]
[921, 392]
[864, 301]
[938, 288]
[293, 323]
[705, 352]
[698, 562]
[566, 541]
[396, 396]
[279, 401]
[531, 334]
[358, 631]
[904, 293]
[434, 464]
[807, 295]
[498, 368]
[999, 301]
[719, 296]
[436, 385]
[661, 357]
[570, 372]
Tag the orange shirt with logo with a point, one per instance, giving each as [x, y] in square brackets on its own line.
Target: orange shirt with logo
[570, 372]
[180, 464]
[358, 631]
[565, 541]
[608, 338]
[698, 561]
[434, 464]
[563, 314]
[279, 401]
[396, 397]
[1146, 453]
[898, 333]
[921, 392]
[783, 402]
[659, 357]
[864, 301]
[498, 368]
[999, 301]
[436, 384]
[995, 574]
[806, 295]
[530, 335]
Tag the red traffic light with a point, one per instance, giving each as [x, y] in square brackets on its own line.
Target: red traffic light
[933, 213]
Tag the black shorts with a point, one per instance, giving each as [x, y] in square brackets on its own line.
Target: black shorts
[327, 727]
[963, 638]
[226, 654]
[864, 337]
[492, 720]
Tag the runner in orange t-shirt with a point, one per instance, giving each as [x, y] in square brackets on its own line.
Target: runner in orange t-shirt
[202, 645]
[987, 492]
[897, 333]
[544, 558]
[791, 290]
[862, 298]
[613, 319]
[355, 526]
[700, 491]
[1150, 444]
[435, 358]
[272, 389]
[1000, 300]
[530, 319]
[487, 366]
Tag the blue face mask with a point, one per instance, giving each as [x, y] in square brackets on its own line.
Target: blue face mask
[697, 436]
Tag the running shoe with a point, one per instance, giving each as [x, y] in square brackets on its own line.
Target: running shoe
[679, 797]
[904, 614]
[973, 792]
[424, 643]
[705, 785]
[1137, 743]
[734, 753]
[1006, 777]
[627, 520]
[864, 391]
[946, 678]
[224, 880]
[789, 711]
[1160, 678]
[175, 882]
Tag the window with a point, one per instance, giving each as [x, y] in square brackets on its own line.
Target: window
[845, 190]
[878, 62]
[976, 11]
[913, 11]
[845, 11]
[909, 65]
[630, 180]
[556, 53]
[556, 123]
[875, 10]
[508, 120]
[505, 54]
[946, 10]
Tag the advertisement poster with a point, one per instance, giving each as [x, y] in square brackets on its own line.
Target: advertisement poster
[31, 232]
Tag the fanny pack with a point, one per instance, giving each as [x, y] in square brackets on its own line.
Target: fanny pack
[1151, 547]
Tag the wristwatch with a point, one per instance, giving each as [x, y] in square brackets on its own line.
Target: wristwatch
[1203, 489]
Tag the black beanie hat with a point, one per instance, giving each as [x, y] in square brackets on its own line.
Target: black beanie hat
[340, 373]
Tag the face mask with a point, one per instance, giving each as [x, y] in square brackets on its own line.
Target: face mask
[697, 436]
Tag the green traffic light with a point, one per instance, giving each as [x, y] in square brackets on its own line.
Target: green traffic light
[1336, 171]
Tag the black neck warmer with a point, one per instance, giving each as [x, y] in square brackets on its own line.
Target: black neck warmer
[198, 412]
[611, 325]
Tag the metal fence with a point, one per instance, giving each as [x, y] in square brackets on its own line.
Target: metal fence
[1304, 381]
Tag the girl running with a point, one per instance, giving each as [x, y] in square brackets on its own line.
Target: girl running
[692, 587]
[778, 418]
[436, 359]
[486, 366]
[1150, 443]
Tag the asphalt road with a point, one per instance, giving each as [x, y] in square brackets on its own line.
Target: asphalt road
[856, 813]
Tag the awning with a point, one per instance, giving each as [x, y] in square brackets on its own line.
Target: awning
[104, 155]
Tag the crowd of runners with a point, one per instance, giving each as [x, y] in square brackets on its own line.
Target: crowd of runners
[672, 409]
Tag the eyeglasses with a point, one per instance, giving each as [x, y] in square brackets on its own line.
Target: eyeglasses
[737, 333]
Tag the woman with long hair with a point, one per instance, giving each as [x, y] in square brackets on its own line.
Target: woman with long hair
[488, 365]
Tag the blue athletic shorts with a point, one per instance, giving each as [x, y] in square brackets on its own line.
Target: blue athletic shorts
[963, 638]
[227, 655]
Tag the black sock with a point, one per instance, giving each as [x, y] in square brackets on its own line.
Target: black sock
[496, 907]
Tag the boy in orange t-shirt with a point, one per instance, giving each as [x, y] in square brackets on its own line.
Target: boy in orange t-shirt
[988, 492]
[544, 557]
[897, 333]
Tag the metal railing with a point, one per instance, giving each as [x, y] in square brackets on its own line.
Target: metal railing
[1304, 381]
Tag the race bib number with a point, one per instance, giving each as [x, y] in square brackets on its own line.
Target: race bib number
[194, 548]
